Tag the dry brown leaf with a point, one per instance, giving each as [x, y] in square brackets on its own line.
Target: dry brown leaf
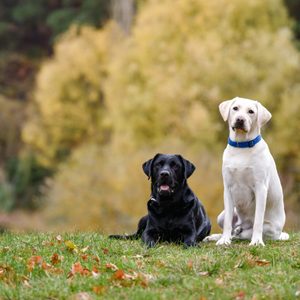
[33, 261]
[99, 289]
[262, 262]
[119, 275]
[26, 284]
[105, 250]
[240, 295]
[59, 238]
[190, 264]
[84, 257]
[55, 259]
[96, 258]
[111, 266]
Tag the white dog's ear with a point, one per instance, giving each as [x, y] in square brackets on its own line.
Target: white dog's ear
[224, 108]
[263, 115]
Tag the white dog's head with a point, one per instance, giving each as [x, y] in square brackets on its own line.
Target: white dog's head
[245, 116]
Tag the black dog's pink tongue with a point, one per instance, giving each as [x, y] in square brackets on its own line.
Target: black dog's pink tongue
[164, 187]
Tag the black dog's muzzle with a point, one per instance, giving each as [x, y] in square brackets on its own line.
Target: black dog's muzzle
[165, 185]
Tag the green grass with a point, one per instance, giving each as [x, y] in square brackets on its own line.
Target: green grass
[28, 269]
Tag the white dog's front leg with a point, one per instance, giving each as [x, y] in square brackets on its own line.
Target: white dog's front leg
[228, 215]
[260, 207]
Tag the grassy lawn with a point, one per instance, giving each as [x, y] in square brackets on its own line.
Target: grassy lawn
[90, 266]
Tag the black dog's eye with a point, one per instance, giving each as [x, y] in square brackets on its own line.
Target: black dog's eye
[173, 165]
[159, 164]
[235, 108]
[250, 111]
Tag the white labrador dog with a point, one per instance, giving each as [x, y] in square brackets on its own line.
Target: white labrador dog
[253, 198]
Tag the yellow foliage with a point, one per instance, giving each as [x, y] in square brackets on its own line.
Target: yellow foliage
[161, 94]
[69, 97]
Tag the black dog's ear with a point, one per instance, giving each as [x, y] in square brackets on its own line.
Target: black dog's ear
[189, 167]
[147, 165]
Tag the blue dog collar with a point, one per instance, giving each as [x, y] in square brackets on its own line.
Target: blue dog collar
[248, 144]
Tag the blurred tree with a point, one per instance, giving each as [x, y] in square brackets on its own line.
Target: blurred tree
[183, 64]
[294, 11]
[162, 92]
[69, 98]
[35, 24]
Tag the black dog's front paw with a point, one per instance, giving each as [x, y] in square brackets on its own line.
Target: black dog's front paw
[150, 243]
[189, 243]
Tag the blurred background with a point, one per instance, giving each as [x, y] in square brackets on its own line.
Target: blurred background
[90, 89]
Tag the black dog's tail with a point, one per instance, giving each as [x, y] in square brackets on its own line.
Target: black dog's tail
[133, 236]
[141, 227]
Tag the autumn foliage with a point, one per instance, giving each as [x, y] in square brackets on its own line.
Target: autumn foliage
[106, 103]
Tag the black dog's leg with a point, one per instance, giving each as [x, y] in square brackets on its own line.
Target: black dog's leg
[189, 241]
[150, 237]
[189, 236]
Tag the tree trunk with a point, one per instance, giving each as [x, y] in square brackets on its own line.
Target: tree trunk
[123, 12]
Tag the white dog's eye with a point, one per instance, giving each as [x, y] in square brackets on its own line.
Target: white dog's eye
[250, 111]
[235, 108]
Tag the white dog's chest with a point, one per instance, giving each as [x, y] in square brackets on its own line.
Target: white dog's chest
[241, 184]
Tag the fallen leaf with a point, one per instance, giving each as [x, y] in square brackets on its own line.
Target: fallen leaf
[84, 257]
[96, 258]
[71, 246]
[240, 295]
[99, 289]
[119, 275]
[59, 238]
[27, 284]
[105, 250]
[262, 262]
[190, 264]
[55, 259]
[95, 272]
[83, 250]
[33, 261]
[45, 266]
[77, 268]
[111, 266]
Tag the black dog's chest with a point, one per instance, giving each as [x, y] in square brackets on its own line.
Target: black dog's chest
[169, 222]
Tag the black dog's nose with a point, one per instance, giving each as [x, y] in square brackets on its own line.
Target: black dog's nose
[165, 173]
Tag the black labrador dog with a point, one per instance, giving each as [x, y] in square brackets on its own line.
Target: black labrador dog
[174, 212]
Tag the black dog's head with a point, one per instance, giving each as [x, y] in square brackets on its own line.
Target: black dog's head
[168, 173]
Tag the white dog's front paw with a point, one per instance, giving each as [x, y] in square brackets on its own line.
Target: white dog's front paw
[257, 241]
[224, 240]
[284, 236]
[212, 238]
